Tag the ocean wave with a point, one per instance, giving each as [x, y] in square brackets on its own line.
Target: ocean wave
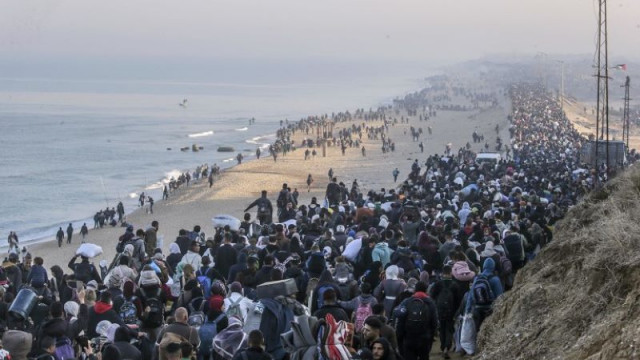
[254, 140]
[201, 134]
[242, 129]
[228, 160]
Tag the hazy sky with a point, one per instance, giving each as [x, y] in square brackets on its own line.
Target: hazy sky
[391, 30]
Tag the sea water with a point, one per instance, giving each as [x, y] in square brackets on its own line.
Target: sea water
[69, 148]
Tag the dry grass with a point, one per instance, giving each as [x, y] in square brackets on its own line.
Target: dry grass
[580, 299]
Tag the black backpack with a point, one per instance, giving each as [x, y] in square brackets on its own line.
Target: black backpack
[83, 272]
[196, 315]
[155, 317]
[481, 291]
[444, 304]
[513, 243]
[417, 321]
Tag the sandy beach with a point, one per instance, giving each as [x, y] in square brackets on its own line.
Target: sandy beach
[236, 187]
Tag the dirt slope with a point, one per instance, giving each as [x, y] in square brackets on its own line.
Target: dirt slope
[580, 298]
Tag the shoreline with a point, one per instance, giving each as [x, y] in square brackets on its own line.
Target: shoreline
[45, 233]
[153, 188]
[239, 185]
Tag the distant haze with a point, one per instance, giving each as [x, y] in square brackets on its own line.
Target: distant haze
[58, 37]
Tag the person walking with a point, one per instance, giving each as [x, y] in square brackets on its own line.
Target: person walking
[396, 172]
[447, 296]
[60, 236]
[69, 233]
[309, 182]
[265, 209]
[120, 210]
[84, 231]
[417, 324]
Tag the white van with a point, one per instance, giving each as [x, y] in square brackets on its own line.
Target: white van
[488, 157]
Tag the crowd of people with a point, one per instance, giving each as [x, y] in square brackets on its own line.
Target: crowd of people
[378, 275]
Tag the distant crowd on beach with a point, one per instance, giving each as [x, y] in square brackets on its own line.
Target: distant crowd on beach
[353, 275]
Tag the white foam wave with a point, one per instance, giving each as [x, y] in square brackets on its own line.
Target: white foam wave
[228, 160]
[254, 140]
[167, 178]
[201, 134]
[242, 129]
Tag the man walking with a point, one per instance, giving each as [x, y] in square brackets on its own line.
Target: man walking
[60, 236]
[417, 324]
[265, 209]
[84, 231]
[69, 233]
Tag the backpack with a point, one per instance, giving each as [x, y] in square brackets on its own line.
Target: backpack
[155, 317]
[83, 272]
[417, 316]
[345, 291]
[205, 284]
[481, 291]
[196, 317]
[263, 209]
[254, 317]
[506, 265]
[444, 304]
[120, 246]
[64, 349]
[361, 314]
[234, 309]
[128, 311]
[513, 245]
[207, 332]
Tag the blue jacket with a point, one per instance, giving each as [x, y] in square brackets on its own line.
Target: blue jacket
[382, 252]
[488, 270]
[37, 276]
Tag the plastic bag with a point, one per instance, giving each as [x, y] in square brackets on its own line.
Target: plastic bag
[468, 334]
[89, 250]
[222, 220]
[456, 335]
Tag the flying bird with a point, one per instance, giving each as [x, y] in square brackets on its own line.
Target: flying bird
[183, 103]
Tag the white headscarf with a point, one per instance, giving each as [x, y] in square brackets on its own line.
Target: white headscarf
[392, 272]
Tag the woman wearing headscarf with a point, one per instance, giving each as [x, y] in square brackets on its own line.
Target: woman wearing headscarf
[391, 287]
[61, 292]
